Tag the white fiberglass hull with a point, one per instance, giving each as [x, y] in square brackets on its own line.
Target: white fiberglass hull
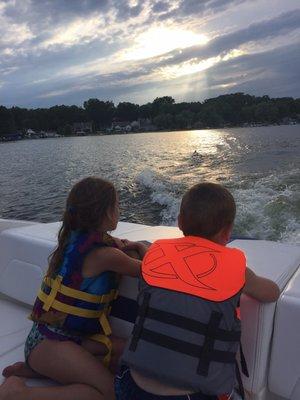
[271, 333]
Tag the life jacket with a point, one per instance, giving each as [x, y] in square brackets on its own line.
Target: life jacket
[74, 303]
[187, 332]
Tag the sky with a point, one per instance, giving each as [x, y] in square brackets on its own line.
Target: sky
[67, 51]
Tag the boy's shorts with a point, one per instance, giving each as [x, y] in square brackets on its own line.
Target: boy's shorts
[127, 389]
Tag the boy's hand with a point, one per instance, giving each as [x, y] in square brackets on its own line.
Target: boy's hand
[261, 289]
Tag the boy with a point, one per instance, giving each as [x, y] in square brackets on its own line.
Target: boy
[187, 332]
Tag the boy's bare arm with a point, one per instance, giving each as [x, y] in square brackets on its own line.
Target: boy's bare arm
[262, 289]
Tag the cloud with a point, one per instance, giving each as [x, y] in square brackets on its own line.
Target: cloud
[160, 7]
[274, 72]
[194, 8]
[53, 53]
[266, 29]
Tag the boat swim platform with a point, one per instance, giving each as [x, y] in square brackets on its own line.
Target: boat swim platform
[270, 333]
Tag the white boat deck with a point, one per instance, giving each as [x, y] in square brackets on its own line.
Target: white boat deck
[271, 335]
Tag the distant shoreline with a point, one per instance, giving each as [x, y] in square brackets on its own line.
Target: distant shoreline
[100, 133]
[233, 110]
[195, 129]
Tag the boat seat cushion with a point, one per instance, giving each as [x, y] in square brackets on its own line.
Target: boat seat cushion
[276, 261]
[14, 325]
[14, 329]
[284, 374]
[24, 253]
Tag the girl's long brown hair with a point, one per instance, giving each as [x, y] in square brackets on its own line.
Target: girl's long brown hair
[88, 203]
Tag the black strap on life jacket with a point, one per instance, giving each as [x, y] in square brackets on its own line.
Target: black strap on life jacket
[205, 353]
[238, 372]
[183, 347]
[191, 325]
[138, 327]
[243, 362]
[208, 346]
[241, 390]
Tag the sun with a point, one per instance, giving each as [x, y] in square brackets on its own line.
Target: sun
[160, 40]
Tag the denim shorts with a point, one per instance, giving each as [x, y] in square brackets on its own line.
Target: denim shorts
[127, 389]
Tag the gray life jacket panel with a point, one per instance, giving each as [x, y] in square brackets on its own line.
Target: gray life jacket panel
[185, 341]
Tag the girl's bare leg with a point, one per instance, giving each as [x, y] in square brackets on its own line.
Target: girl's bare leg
[15, 389]
[97, 349]
[68, 363]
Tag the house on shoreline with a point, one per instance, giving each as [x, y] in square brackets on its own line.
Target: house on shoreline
[139, 125]
[82, 128]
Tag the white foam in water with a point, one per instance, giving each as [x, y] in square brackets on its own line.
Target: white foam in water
[161, 195]
[266, 208]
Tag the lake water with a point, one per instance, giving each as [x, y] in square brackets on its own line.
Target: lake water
[260, 166]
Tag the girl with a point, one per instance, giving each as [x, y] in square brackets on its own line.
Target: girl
[70, 313]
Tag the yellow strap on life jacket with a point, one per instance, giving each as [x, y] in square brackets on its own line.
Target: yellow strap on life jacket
[78, 311]
[50, 298]
[68, 309]
[78, 294]
[107, 342]
[105, 324]
[51, 302]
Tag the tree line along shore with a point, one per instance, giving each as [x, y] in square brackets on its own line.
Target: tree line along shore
[97, 116]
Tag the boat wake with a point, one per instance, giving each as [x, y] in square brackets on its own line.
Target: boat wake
[161, 193]
[268, 207]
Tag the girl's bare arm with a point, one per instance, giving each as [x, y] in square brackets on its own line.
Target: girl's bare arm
[111, 259]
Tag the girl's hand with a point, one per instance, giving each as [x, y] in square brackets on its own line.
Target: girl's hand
[130, 249]
[129, 245]
[119, 243]
[139, 247]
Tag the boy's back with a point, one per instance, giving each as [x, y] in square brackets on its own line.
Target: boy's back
[187, 333]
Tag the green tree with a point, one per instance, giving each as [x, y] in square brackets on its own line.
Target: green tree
[185, 119]
[211, 118]
[230, 109]
[162, 105]
[145, 111]
[7, 123]
[68, 130]
[127, 111]
[100, 112]
[163, 121]
[296, 107]
[265, 112]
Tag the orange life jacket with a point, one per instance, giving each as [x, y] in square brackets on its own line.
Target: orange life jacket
[195, 266]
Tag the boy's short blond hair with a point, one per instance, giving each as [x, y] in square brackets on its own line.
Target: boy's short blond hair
[206, 208]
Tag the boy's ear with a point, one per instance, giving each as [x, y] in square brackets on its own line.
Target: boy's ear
[180, 221]
[226, 233]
